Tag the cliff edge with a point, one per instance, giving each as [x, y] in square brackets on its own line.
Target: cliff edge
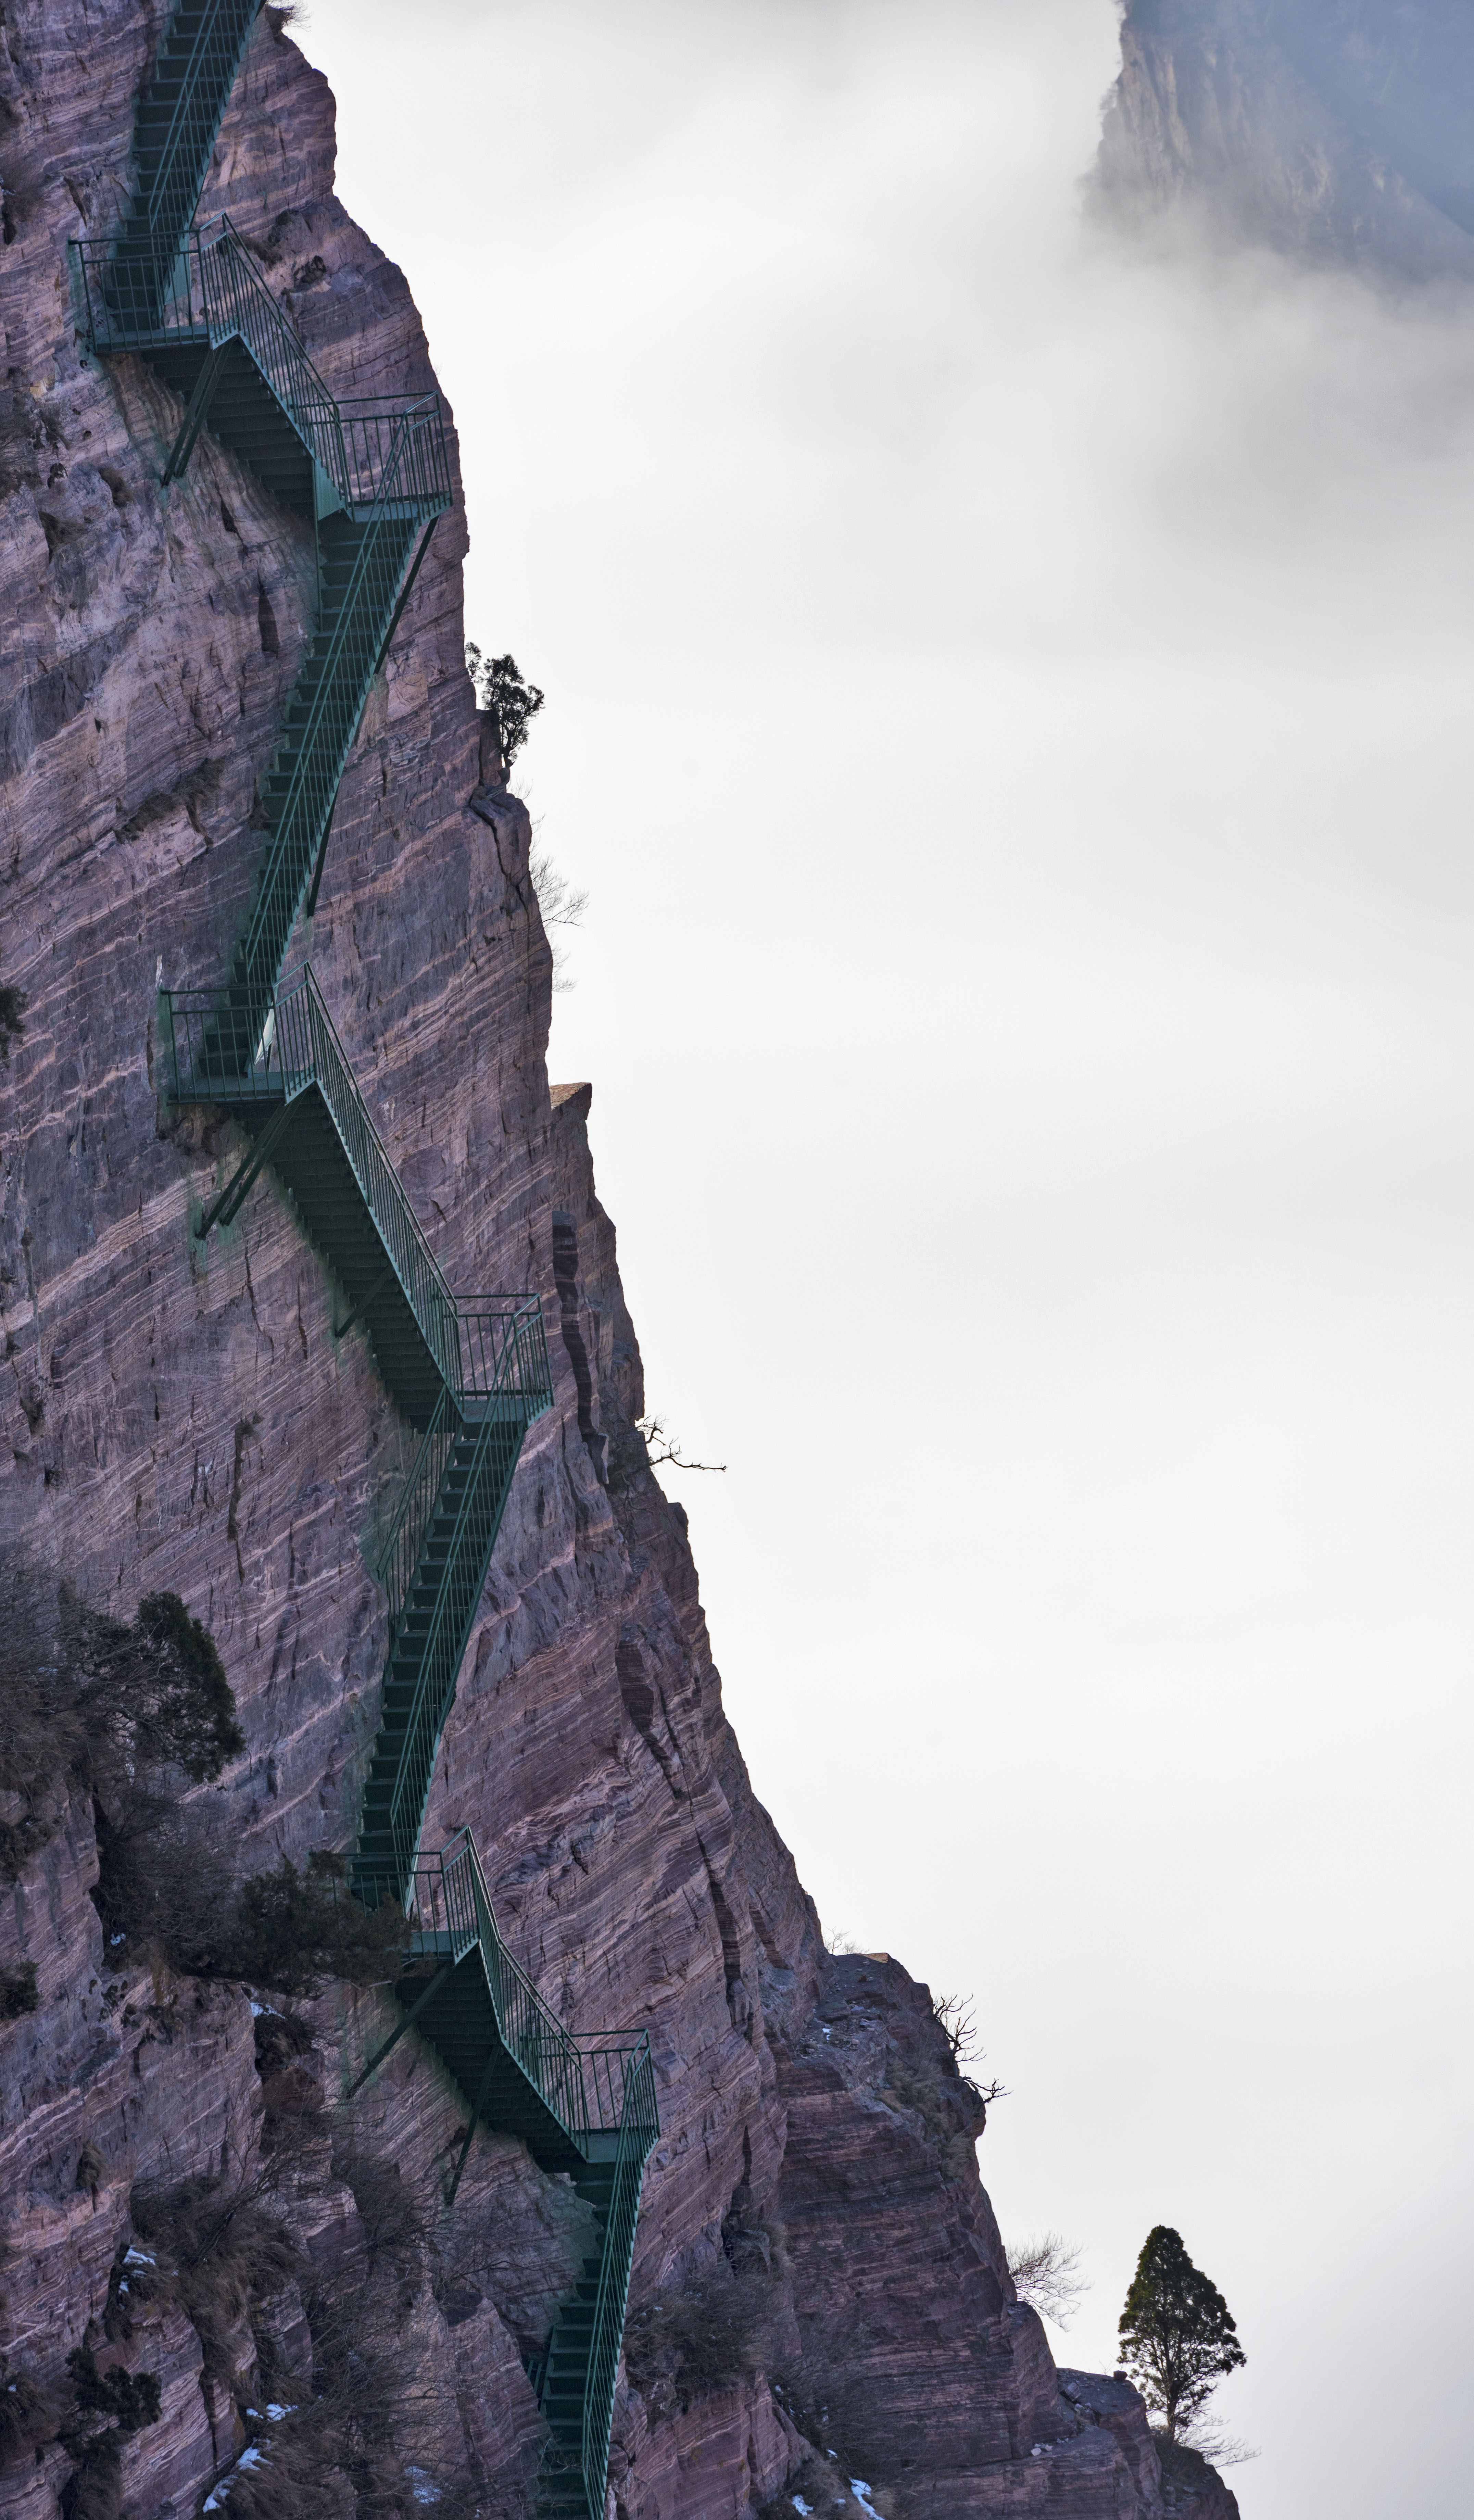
[204, 2216]
[1322, 128]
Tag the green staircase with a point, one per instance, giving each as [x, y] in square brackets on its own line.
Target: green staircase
[469, 1374]
[179, 113]
[582, 2104]
[373, 474]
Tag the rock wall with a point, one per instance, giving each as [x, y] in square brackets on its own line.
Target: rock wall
[1332, 130]
[178, 1416]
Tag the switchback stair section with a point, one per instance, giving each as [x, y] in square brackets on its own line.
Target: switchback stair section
[373, 474]
[277, 1064]
[582, 2104]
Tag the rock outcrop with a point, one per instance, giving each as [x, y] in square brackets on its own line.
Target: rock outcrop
[193, 2193]
[1322, 128]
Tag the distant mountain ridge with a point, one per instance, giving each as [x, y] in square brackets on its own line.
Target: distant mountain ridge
[1339, 130]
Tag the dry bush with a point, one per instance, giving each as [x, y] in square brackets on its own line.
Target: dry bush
[17, 1991]
[281, 2040]
[165, 1888]
[93, 2445]
[30, 2414]
[217, 2250]
[129, 1710]
[291, 1930]
[952, 2109]
[164, 1884]
[718, 2324]
[1045, 2276]
[345, 2448]
[388, 2209]
[955, 2016]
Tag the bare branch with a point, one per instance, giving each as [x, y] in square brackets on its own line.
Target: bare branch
[653, 1431]
[1045, 2276]
[956, 2014]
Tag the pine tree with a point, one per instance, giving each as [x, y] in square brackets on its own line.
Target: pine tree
[1178, 2336]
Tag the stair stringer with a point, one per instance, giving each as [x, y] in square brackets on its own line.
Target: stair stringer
[432, 1629]
[188, 115]
[299, 793]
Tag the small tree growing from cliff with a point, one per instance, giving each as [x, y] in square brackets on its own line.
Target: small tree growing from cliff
[1178, 2334]
[512, 701]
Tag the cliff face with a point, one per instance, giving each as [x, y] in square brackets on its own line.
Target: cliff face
[1330, 128]
[179, 1416]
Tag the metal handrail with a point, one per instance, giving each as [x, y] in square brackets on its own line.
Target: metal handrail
[236, 303]
[590, 2082]
[195, 119]
[449, 1617]
[211, 291]
[237, 1046]
[398, 1554]
[324, 744]
[639, 2132]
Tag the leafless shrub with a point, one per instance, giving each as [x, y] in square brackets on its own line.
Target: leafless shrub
[953, 2110]
[17, 1991]
[956, 2017]
[719, 2323]
[561, 906]
[389, 2210]
[345, 2447]
[1044, 2272]
[1203, 2437]
[31, 2412]
[131, 1709]
[704, 2335]
[664, 1452]
[281, 2038]
[217, 2249]
[165, 1889]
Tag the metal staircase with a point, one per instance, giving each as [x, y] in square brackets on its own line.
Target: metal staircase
[584, 2106]
[470, 1375]
[373, 474]
[179, 114]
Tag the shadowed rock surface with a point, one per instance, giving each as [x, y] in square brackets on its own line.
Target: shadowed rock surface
[177, 1414]
[1335, 129]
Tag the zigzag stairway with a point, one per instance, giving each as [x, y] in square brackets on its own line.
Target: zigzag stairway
[469, 1374]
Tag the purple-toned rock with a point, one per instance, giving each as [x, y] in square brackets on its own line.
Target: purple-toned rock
[177, 1414]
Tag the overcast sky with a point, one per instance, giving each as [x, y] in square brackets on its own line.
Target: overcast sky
[1010, 707]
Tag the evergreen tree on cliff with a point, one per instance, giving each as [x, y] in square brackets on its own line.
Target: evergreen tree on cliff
[1178, 2335]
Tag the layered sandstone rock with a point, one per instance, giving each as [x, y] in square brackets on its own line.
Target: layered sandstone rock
[179, 1416]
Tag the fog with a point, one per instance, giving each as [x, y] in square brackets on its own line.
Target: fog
[1008, 702]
